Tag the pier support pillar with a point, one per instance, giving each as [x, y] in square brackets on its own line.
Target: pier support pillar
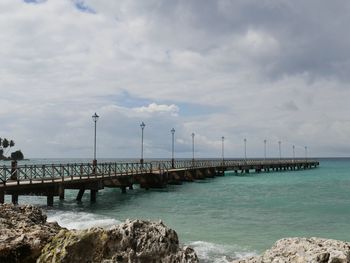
[246, 171]
[93, 194]
[80, 194]
[15, 199]
[123, 189]
[2, 196]
[131, 187]
[61, 192]
[50, 200]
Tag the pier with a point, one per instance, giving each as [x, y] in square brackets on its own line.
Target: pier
[51, 180]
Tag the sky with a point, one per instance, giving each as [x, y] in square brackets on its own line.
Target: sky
[255, 69]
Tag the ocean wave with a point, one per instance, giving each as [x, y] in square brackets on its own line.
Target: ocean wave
[217, 253]
[80, 220]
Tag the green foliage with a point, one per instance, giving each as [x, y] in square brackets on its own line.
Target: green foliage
[17, 155]
[5, 143]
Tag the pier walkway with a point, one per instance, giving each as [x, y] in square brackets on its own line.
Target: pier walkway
[51, 180]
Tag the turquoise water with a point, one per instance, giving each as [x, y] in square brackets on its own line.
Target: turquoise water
[231, 216]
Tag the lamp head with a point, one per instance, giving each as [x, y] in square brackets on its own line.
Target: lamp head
[95, 117]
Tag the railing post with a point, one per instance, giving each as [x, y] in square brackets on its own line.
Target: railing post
[13, 170]
[43, 174]
[94, 164]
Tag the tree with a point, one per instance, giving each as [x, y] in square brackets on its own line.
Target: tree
[5, 146]
[5, 143]
[17, 155]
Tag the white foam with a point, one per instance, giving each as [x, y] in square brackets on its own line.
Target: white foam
[80, 220]
[216, 253]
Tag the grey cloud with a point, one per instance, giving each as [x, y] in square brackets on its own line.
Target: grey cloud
[238, 60]
[289, 106]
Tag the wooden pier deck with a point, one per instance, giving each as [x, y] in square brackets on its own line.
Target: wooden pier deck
[51, 180]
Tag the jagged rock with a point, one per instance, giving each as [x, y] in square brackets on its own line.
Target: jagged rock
[133, 241]
[26, 237]
[300, 250]
[23, 233]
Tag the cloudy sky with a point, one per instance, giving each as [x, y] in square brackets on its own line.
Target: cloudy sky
[255, 69]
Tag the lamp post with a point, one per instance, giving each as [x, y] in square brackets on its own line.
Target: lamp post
[265, 149]
[172, 148]
[142, 125]
[192, 147]
[279, 149]
[223, 149]
[293, 153]
[95, 118]
[245, 149]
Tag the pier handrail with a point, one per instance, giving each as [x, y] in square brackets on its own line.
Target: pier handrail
[70, 171]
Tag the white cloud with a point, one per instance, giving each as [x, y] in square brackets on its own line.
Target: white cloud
[155, 108]
[255, 69]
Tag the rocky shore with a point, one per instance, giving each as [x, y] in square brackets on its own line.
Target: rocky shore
[304, 250]
[26, 236]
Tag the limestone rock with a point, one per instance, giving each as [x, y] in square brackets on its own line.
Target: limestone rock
[133, 241]
[26, 237]
[23, 233]
[304, 250]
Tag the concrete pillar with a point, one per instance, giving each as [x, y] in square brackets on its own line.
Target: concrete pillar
[15, 199]
[50, 200]
[93, 194]
[123, 189]
[61, 192]
[80, 194]
[2, 196]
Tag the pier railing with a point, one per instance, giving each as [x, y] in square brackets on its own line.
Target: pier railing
[180, 164]
[72, 170]
[54, 172]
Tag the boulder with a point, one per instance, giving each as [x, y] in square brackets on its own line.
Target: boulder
[133, 241]
[26, 237]
[23, 233]
[300, 250]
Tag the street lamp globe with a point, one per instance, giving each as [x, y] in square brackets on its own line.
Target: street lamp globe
[142, 125]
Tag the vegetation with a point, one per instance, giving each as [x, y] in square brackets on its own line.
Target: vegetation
[5, 147]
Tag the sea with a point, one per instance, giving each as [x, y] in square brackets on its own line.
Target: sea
[224, 218]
